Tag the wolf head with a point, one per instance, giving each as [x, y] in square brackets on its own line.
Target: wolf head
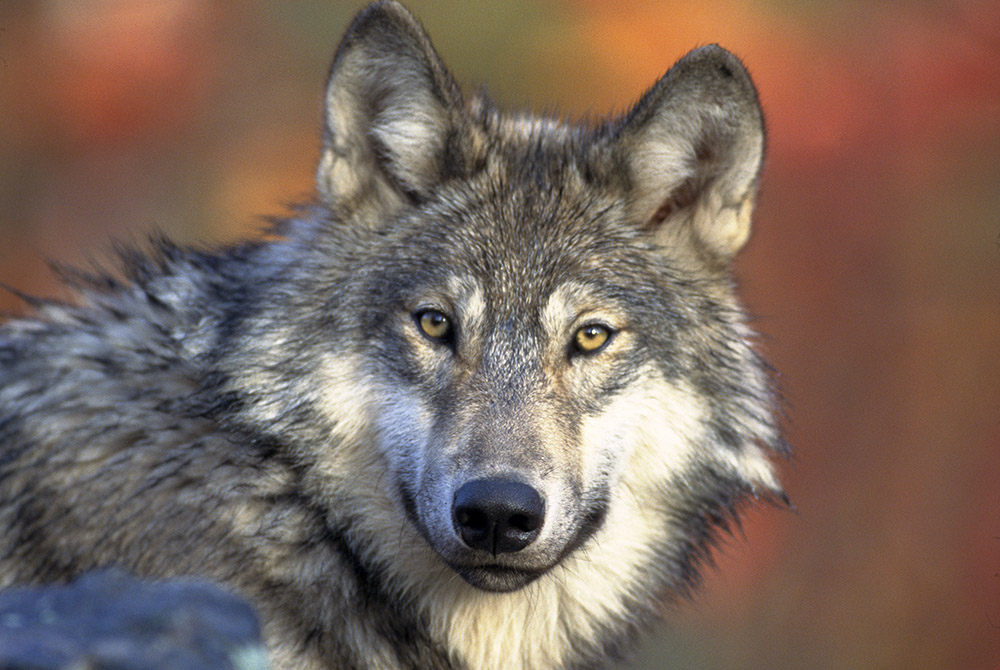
[534, 321]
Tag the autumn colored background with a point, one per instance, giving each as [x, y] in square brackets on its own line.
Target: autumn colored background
[874, 269]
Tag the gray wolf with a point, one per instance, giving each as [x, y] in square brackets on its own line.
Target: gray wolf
[484, 404]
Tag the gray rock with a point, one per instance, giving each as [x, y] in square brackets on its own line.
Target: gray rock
[109, 620]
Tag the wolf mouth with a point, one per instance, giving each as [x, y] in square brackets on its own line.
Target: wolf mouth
[496, 578]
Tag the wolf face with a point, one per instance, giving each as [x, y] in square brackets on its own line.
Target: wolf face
[544, 314]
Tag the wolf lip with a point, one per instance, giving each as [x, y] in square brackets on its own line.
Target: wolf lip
[496, 578]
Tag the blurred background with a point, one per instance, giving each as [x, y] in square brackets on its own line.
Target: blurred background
[874, 268]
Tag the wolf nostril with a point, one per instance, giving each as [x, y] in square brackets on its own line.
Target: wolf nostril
[497, 515]
[524, 522]
[472, 519]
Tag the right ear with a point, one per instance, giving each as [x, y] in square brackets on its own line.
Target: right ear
[391, 106]
[693, 147]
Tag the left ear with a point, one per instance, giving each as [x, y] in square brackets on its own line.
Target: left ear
[693, 146]
[391, 108]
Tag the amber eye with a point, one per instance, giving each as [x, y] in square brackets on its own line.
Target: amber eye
[434, 324]
[591, 338]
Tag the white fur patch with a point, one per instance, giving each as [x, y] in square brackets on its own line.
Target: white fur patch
[349, 411]
[723, 228]
[469, 302]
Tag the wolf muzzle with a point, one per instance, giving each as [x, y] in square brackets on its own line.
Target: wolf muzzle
[498, 516]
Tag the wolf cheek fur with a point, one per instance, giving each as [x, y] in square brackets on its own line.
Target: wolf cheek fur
[483, 406]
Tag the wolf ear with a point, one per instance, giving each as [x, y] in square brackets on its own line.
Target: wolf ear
[693, 146]
[390, 107]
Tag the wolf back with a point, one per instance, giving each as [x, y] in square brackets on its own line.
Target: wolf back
[484, 404]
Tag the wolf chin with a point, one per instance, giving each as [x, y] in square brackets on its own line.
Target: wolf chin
[484, 404]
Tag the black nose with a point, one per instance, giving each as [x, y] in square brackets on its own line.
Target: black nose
[497, 515]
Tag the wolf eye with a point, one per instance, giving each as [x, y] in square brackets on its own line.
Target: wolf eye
[591, 338]
[434, 324]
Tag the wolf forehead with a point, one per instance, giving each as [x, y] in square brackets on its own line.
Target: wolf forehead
[539, 198]
[516, 223]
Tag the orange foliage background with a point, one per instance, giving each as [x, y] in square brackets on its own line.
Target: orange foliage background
[874, 267]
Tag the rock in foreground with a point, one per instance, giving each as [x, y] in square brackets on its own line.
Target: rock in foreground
[109, 620]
